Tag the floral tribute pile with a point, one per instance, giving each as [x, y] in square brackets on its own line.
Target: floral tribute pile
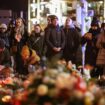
[60, 85]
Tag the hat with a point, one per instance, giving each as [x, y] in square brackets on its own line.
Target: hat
[3, 26]
[95, 22]
[2, 44]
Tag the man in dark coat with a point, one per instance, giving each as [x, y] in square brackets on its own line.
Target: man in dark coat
[55, 40]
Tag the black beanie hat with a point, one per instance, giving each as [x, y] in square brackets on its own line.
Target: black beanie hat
[95, 22]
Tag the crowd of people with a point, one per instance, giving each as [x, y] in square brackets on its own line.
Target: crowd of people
[25, 52]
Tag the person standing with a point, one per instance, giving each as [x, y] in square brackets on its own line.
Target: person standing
[101, 53]
[49, 25]
[90, 39]
[19, 36]
[36, 40]
[55, 40]
[72, 37]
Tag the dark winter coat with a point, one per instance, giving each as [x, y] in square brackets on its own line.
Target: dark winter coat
[101, 54]
[91, 49]
[72, 37]
[14, 43]
[36, 42]
[5, 37]
[54, 38]
[45, 33]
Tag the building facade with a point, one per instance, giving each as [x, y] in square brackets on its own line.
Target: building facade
[81, 11]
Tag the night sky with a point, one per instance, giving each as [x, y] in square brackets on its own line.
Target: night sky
[15, 5]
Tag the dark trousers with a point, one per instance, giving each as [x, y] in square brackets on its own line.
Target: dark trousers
[96, 72]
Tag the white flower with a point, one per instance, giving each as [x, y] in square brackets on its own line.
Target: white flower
[46, 79]
[42, 90]
[89, 94]
[63, 80]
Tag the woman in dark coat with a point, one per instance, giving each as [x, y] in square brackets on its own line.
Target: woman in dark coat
[72, 37]
[19, 36]
[101, 54]
[36, 40]
[90, 39]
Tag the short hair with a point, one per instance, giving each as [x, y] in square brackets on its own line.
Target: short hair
[54, 17]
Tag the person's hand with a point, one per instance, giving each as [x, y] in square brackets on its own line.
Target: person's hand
[1, 67]
[18, 37]
[55, 49]
[88, 36]
[58, 49]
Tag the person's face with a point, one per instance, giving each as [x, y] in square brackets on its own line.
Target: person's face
[19, 22]
[2, 30]
[68, 21]
[55, 22]
[37, 29]
[1, 50]
[94, 27]
[48, 20]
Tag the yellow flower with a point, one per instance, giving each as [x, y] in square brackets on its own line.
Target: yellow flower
[42, 90]
[6, 98]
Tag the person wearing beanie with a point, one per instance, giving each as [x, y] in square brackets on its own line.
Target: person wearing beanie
[3, 26]
[95, 22]
[5, 58]
[90, 39]
[4, 34]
